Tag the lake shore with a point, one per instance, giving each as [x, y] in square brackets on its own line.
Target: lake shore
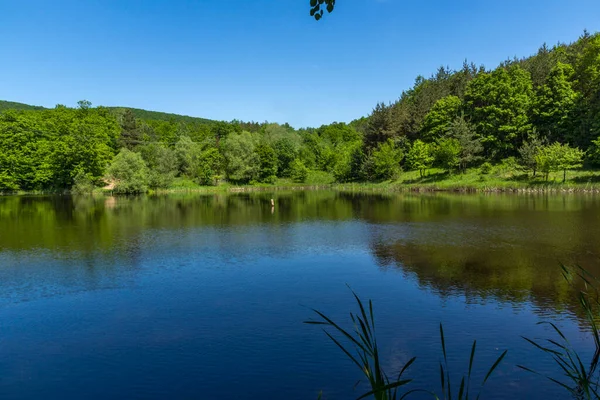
[435, 180]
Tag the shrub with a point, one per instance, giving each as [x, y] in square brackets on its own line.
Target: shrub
[129, 173]
[486, 168]
[298, 171]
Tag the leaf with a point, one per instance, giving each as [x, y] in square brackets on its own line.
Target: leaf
[498, 361]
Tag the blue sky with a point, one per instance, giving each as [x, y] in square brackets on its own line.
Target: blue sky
[261, 59]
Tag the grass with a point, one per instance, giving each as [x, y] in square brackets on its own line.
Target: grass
[581, 379]
[365, 354]
[500, 179]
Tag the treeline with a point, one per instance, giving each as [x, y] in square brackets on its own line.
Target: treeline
[541, 113]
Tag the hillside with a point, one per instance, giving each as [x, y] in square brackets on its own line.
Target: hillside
[137, 112]
[11, 105]
[161, 116]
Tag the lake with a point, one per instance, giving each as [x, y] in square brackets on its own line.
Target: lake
[204, 296]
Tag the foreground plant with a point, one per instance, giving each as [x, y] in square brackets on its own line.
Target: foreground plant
[365, 355]
[582, 379]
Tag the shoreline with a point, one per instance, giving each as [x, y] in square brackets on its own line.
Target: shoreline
[391, 187]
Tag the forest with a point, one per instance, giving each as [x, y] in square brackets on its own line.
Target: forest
[537, 116]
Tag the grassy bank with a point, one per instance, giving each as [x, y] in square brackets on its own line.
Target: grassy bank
[473, 180]
[499, 179]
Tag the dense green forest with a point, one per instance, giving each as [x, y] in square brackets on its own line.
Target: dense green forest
[538, 115]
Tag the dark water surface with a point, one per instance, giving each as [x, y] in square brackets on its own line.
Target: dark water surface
[193, 296]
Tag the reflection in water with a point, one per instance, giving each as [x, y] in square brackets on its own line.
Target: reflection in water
[162, 289]
[506, 246]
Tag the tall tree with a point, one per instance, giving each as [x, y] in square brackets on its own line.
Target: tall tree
[439, 118]
[131, 136]
[554, 104]
[380, 126]
[498, 104]
[469, 142]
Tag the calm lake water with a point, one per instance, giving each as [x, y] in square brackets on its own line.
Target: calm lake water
[204, 296]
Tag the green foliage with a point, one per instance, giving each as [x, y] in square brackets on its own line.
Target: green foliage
[384, 162]
[379, 128]
[209, 167]
[286, 154]
[349, 163]
[529, 151]
[486, 168]
[470, 144]
[555, 103]
[187, 152]
[580, 379]
[317, 7]
[420, 156]
[44, 150]
[131, 136]
[298, 171]
[509, 111]
[499, 103]
[437, 121]
[447, 153]
[162, 165]
[593, 153]
[242, 163]
[128, 173]
[83, 183]
[11, 105]
[558, 157]
[267, 171]
[360, 346]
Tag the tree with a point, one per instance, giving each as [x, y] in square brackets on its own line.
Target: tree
[593, 153]
[131, 136]
[209, 167]
[558, 157]
[555, 102]
[379, 128]
[298, 171]
[242, 163]
[498, 104]
[529, 150]
[286, 153]
[440, 116]
[267, 171]
[128, 172]
[571, 158]
[187, 152]
[348, 166]
[420, 156]
[447, 153]
[385, 161]
[162, 165]
[470, 144]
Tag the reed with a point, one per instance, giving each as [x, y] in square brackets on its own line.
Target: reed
[360, 346]
[580, 379]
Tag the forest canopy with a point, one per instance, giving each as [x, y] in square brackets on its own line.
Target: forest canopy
[541, 113]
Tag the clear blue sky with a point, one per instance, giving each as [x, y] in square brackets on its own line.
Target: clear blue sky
[261, 59]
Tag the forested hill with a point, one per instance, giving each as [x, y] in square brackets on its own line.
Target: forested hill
[11, 105]
[161, 116]
[535, 114]
[137, 112]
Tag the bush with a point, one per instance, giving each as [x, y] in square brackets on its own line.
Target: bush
[486, 168]
[129, 173]
[82, 183]
[298, 171]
